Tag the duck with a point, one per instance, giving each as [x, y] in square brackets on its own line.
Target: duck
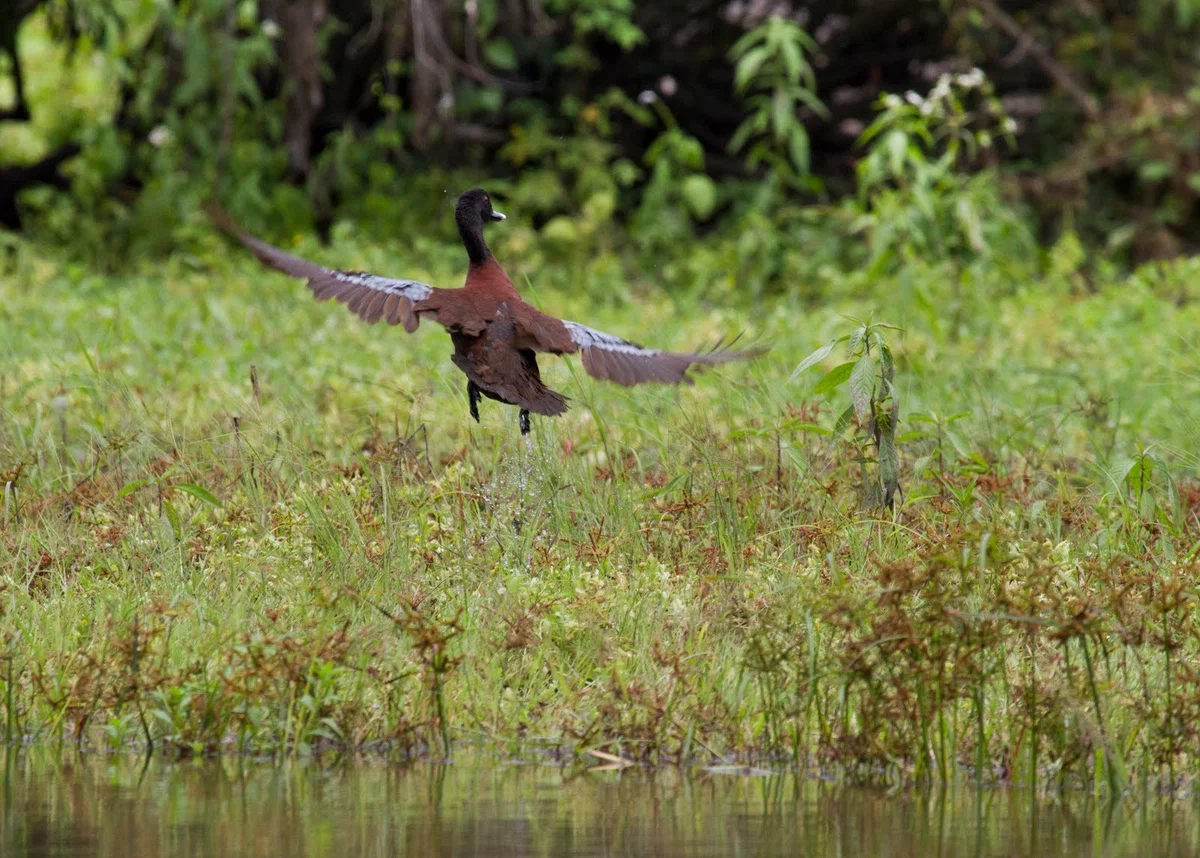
[497, 336]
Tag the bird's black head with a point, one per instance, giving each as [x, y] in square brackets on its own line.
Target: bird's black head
[477, 202]
[471, 212]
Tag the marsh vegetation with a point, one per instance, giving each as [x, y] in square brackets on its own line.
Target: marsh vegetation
[960, 543]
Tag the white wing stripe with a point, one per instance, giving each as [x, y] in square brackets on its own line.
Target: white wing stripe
[411, 289]
[590, 338]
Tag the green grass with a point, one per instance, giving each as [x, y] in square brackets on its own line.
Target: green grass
[663, 574]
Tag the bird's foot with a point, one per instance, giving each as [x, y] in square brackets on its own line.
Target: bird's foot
[524, 422]
[473, 399]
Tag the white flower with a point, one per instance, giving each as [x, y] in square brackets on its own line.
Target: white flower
[912, 98]
[1009, 125]
[647, 97]
[271, 29]
[971, 79]
[160, 135]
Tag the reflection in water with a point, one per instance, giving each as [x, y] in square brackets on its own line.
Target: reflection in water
[74, 806]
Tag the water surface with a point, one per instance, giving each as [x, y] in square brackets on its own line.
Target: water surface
[74, 805]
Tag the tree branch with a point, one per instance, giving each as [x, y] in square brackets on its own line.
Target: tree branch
[1041, 55]
[14, 179]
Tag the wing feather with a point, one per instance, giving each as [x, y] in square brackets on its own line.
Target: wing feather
[390, 305]
[372, 312]
[611, 358]
[370, 296]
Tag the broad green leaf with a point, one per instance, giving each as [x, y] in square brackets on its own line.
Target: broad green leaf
[173, 519]
[1154, 171]
[197, 492]
[561, 230]
[810, 98]
[862, 385]
[1185, 13]
[843, 422]
[700, 194]
[500, 54]
[792, 61]
[741, 136]
[872, 131]
[896, 144]
[1121, 471]
[1172, 491]
[833, 378]
[800, 35]
[783, 114]
[977, 464]
[798, 149]
[743, 45]
[814, 358]
[1121, 237]
[887, 368]
[748, 66]
[131, 487]
[956, 441]
[856, 338]
[808, 428]
[968, 218]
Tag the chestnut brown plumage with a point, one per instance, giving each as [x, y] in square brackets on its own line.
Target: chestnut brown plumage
[496, 335]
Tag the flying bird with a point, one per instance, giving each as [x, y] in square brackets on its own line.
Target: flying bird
[497, 336]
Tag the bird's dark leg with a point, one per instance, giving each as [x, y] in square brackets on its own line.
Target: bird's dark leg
[473, 399]
[524, 422]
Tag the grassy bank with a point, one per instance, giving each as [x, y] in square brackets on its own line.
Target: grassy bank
[238, 519]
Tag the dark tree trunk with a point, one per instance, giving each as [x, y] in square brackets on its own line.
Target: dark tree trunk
[300, 62]
[12, 14]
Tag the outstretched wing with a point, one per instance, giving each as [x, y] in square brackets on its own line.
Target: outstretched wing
[369, 296]
[611, 358]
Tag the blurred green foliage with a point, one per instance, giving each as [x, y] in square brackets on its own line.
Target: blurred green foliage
[611, 125]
